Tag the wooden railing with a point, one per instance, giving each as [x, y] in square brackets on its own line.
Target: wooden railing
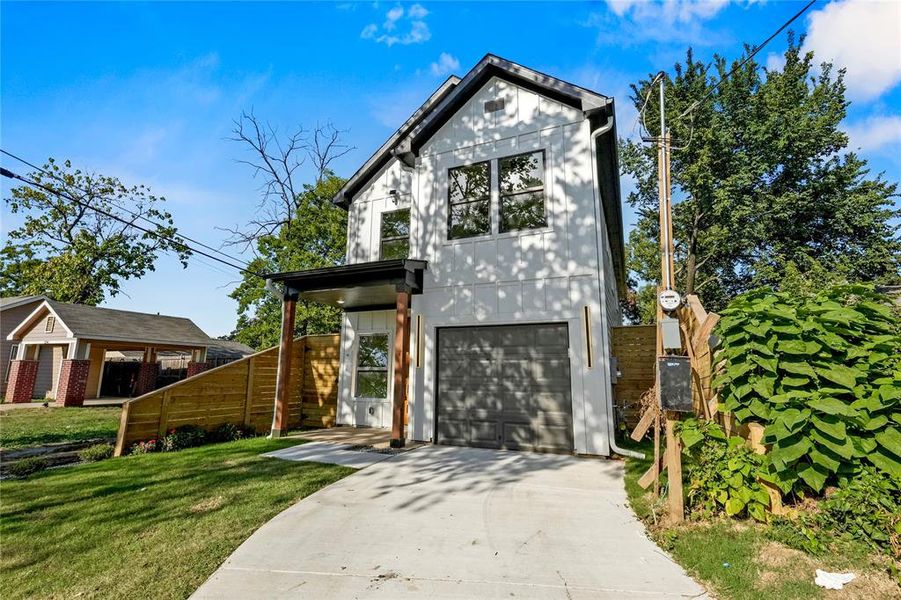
[242, 393]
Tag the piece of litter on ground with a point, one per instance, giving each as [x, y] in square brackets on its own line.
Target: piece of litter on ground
[833, 581]
[726, 565]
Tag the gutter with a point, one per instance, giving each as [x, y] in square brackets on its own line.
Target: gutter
[602, 297]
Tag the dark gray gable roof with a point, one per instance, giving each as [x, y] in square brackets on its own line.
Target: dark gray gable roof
[228, 349]
[13, 301]
[122, 325]
[449, 98]
[406, 142]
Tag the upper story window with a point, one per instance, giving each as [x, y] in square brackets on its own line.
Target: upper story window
[469, 200]
[395, 234]
[522, 192]
[50, 324]
[372, 366]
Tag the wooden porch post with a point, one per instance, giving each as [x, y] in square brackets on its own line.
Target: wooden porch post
[401, 365]
[283, 375]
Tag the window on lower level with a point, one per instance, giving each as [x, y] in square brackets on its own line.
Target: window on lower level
[469, 200]
[372, 366]
[522, 192]
[395, 234]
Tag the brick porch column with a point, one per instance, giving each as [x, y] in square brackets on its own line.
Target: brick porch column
[195, 368]
[73, 381]
[147, 373]
[20, 386]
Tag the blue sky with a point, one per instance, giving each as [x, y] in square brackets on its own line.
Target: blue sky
[147, 91]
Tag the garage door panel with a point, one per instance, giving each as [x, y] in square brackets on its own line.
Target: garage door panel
[485, 433]
[509, 384]
[519, 436]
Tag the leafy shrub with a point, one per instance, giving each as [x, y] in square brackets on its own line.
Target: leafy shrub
[96, 452]
[823, 374]
[229, 432]
[27, 466]
[867, 509]
[722, 473]
[186, 436]
[145, 447]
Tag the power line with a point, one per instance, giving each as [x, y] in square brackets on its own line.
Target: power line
[747, 59]
[120, 207]
[11, 175]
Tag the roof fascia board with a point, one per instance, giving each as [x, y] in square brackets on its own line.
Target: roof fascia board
[382, 156]
[22, 302]
[493, 66]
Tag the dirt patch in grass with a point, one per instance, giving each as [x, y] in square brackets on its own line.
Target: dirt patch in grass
[207, 505]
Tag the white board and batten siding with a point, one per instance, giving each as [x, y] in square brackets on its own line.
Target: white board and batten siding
[534, 276]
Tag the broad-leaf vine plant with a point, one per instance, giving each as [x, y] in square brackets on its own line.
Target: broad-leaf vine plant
[823, 374]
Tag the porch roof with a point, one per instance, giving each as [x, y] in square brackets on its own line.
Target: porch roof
[360, 286]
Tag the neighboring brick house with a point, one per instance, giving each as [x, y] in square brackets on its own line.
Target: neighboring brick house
[13, 310]
[61, 350]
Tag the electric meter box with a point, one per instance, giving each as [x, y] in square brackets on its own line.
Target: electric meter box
[674, 381]
[670, 334]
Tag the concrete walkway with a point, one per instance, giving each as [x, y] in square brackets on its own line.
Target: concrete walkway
[441, 522]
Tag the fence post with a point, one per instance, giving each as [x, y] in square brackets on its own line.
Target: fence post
[123, 428]
[164, 413]
[248, 391]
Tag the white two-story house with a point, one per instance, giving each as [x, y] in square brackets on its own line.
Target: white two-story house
[484, 267]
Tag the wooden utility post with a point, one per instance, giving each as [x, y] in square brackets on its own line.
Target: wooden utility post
[664, 185]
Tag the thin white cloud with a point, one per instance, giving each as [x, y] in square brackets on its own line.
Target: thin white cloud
[446, 65]
[865, 38]
[668, 12]
[629, 22]
[392, 30]
[875, 132]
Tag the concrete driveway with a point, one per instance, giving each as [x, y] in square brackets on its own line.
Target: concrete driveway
[443, 522]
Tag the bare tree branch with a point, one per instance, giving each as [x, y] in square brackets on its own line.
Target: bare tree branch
[278, 160]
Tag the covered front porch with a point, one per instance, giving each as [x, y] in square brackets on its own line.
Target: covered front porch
[372, 286]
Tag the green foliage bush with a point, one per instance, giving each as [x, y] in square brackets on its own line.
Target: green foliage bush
[866, 510]
[186, 436]
[722, 473]
[96, 452]
[27, 466]
[189, 436]
[823, 374]
[229, 432]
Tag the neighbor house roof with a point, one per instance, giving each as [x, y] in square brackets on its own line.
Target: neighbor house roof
[14, 301]
[93, 322]
[453, 94]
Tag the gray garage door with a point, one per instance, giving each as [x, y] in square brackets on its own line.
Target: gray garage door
[505, 387]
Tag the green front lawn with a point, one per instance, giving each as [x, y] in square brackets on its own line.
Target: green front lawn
[149, 526]
[25, 427]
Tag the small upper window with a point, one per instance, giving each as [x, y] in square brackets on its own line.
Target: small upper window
[50, 324]
[469, 200]
[522, 192]
[395, 234]
[372, 366]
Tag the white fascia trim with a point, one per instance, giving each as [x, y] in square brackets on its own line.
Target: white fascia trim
[27, 323]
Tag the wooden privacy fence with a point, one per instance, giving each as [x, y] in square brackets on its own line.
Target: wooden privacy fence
[242, 393]
[635, 349]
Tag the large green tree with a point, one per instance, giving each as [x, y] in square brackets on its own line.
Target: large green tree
[765, 189]
[69, 251]
[315, 239]
[295, 225]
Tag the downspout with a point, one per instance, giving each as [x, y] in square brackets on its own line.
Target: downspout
[602, 297]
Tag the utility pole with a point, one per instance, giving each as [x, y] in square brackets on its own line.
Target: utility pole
[668, 299]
